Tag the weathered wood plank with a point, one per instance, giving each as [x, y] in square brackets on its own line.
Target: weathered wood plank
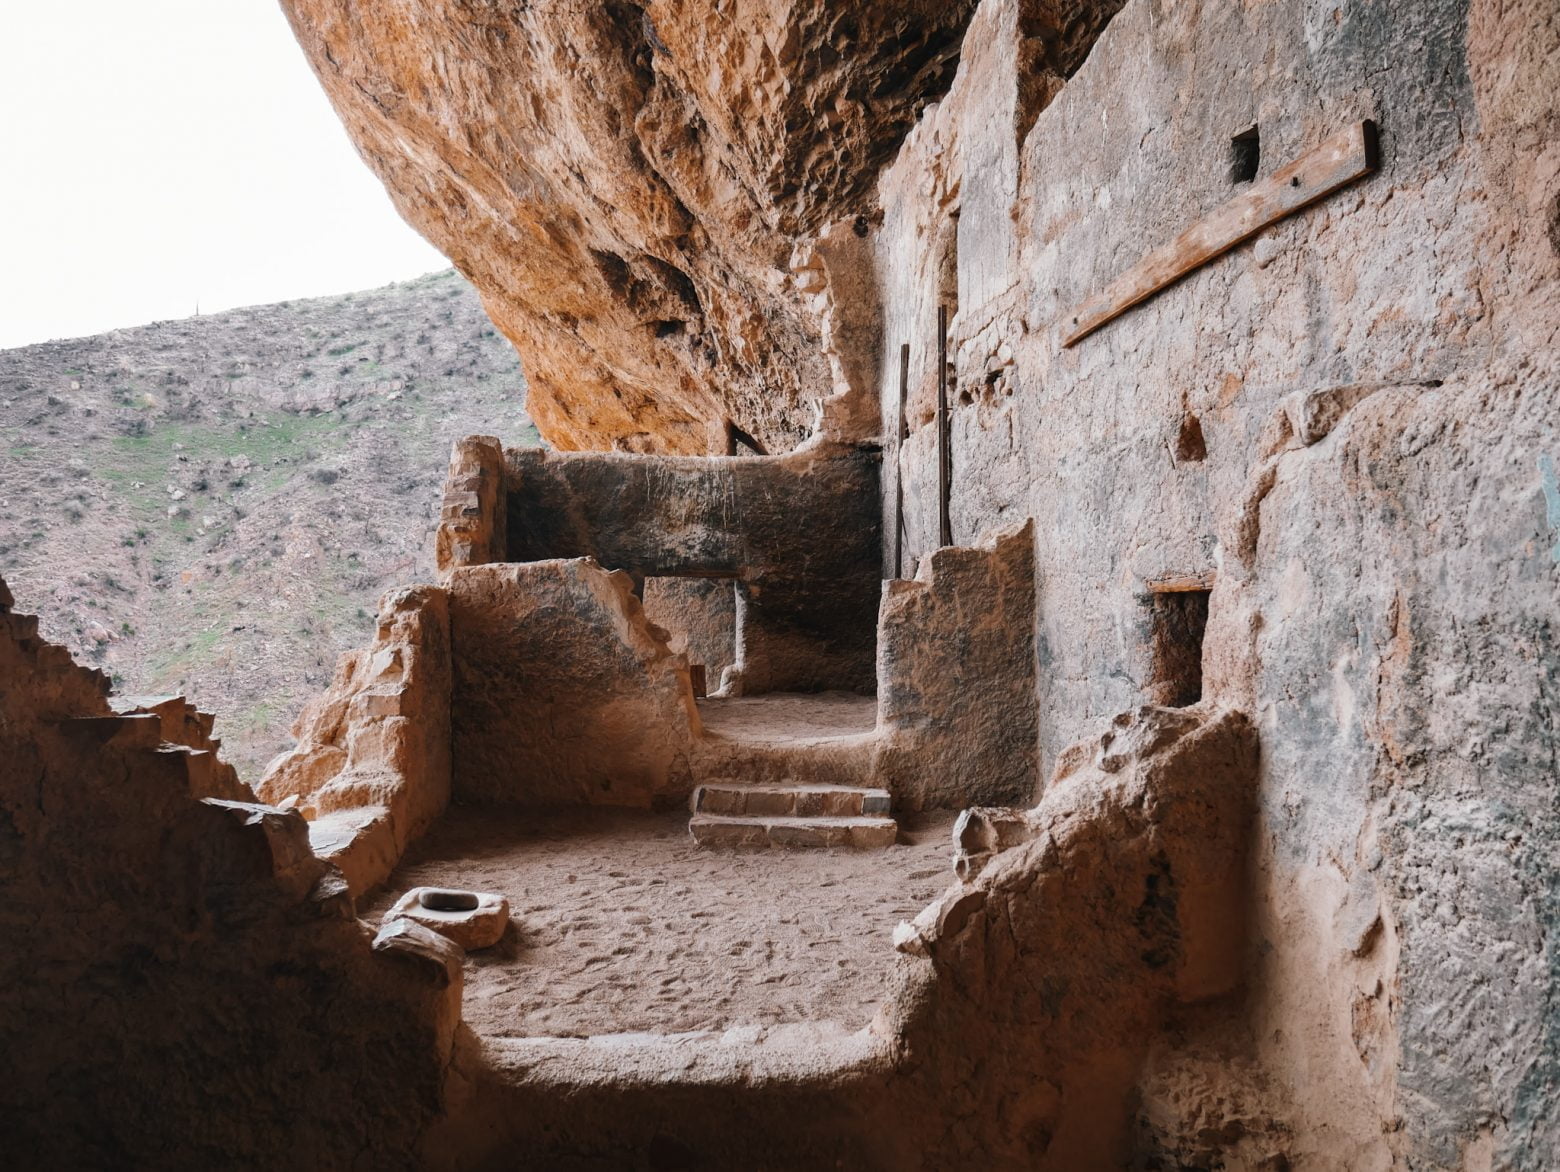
[1316, 174]
[1180, 583]
[901, 433]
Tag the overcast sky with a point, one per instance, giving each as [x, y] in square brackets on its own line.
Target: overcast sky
[159, 154]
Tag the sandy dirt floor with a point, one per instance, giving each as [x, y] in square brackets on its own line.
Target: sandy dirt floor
[779, 717]
[619, 923]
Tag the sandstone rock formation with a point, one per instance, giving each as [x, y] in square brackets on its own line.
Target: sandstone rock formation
[625, 184]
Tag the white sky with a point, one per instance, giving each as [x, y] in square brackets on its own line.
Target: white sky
[156, 154]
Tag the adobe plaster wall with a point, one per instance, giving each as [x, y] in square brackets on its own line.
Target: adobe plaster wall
[1375, 381]
[956, 679]
[562, 691]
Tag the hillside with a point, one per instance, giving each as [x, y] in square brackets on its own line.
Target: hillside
[213, 506]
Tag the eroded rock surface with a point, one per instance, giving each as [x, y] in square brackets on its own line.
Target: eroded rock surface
[625, 183]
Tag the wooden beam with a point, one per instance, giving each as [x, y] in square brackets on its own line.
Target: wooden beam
[944, 456]
[901, 431]
[737, 436]
[1181, 583]
[1318, 173]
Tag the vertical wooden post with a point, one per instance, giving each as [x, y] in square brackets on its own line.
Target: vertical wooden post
[900, 433]
[944, 522]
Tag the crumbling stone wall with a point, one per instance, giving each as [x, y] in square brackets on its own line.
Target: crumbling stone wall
[797, 533]
[956, 679]
[472, 514]
[184, 984]
[563, 692]
[371, 768]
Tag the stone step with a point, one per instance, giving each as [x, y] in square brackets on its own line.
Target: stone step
[755, 830]
[784, 800]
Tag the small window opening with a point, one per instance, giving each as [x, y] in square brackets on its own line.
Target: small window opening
[1245, 156]
[1179, 620]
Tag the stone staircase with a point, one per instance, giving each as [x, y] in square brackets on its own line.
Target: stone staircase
[736, 814]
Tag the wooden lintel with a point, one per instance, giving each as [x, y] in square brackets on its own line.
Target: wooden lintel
[1181, 583]
[1319, 172]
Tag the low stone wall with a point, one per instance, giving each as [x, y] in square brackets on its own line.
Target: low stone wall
[372, 764]
[798, 533]
[563, 692]
[1054, 968]
[957, 719]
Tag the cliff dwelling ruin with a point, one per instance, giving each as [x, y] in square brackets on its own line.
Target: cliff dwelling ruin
[1032, 641]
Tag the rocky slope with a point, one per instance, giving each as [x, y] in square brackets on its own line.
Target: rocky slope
[214, 505]
[627, 183]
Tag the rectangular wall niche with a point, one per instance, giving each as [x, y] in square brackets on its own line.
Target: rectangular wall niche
[1177, 621]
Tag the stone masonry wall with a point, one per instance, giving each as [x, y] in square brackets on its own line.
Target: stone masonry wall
[1351, 420]
[798, 534]
[563, 692]
[956, 679]
[372, 765]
